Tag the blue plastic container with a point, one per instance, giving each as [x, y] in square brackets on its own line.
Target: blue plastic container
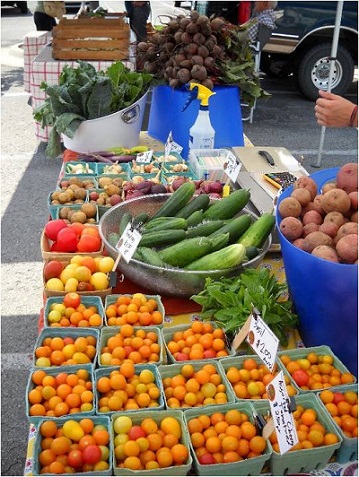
[224, 110]
[325, 294]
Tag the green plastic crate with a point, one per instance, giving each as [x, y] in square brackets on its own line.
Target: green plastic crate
[54, 371]
[303, 352]
[103, 420]
[110, 299]
[167, 334]
[237, 361]
[175, 368]
[76, 207]
[348, 451]
[82, 177]
[251, 466]
[124, 174]
[108, 331]
[63, 332]
[303, 460]
[90, 168]
[106, 370]
[137, 418]
[86, 300]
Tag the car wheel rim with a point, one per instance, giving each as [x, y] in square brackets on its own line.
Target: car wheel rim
[320, 74]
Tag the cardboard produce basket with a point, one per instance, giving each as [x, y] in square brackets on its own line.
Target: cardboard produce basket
[90, 38]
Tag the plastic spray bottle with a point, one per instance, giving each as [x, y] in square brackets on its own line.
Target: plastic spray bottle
[201, 134]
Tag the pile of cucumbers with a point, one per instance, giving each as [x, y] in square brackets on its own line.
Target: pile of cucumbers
[196, 234]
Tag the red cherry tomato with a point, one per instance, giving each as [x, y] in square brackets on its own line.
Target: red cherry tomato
[89, 243]
[72, 300]
[92, 454]
[75, 458]
[301, 377]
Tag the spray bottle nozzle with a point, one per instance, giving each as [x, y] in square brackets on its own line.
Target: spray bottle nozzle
[198, 91]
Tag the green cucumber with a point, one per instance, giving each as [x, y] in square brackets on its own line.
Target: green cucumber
[219, 241]
[177, 200]
[228, 257]
[162, 237]
[251, 252]
[124, 221]
[235, 227]
[151, 256]
[113, 238]
[229, 206]
[185, 251]
[195, 218]
[140, 219]
[258, 232]
[197, 203]
[204, 229]
[165, 223]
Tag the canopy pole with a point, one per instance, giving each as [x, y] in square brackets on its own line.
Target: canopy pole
[334, 51]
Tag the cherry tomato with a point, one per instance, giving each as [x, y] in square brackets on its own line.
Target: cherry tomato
[301, 377]
[75, 459]
[72, 300]
[92, 454]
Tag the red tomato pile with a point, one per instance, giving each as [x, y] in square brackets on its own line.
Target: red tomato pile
[72, 238]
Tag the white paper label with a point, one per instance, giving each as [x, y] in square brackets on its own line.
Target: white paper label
[144, 156]
[263, 341]
[281, 414]
[128, 242]
[232, 167]
[171, 145]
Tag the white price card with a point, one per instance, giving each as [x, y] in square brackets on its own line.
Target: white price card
[171, 145]
[232, 167]
[144, 156]
[280, 407]
[263, 341]
[128, 242]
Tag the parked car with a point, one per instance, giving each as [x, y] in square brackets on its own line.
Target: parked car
[301, 46]
[22, 6]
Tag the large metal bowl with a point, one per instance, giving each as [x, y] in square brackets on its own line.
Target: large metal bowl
[165, 281]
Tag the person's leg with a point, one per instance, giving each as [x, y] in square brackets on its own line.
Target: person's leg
[44, 22]
[139, 22]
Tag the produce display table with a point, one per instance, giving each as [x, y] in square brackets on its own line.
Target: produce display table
[45, 69]
[34, 42]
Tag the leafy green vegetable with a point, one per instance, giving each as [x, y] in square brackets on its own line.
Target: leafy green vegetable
[229, 302]
[84, 93]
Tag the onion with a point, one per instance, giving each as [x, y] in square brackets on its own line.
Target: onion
[216, 187]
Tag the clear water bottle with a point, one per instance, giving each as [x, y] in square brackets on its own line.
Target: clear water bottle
[201, 7]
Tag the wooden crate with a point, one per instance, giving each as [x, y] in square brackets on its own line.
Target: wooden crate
[91, 38]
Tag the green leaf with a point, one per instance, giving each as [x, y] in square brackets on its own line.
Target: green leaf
[53, 148]
[99, 100]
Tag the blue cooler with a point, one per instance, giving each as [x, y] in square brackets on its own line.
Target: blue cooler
[325, 294]
[224, 109]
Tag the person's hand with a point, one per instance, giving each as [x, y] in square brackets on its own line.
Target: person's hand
[334, 111]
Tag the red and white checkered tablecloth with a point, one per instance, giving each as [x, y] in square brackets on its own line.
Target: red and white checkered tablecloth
[34, 42]
[45, 69]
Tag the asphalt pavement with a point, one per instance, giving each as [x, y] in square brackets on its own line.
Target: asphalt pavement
[27, 177]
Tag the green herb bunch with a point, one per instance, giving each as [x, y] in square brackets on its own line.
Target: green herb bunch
[229, 302]
[84, 93]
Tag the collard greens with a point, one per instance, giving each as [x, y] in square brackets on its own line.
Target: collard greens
[85, 93]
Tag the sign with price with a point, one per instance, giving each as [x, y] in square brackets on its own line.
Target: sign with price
[232, 167]
[144, 156]
[263, 341]
[128, 242]
[280, 407]
[171, 145]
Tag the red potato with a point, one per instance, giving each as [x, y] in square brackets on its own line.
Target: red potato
[347, 177]
[298, 242]
[326, 253]
[307, 183]
[336, 200]
[302, 195]
[291, 228]
[289, 207]
[346, 229]
[354, 217]
[309, 228]
[353, 196]
[314, 239]
[328, 186]
[329, 228]
[314, 205]
[312, 216]
[336, 218]
[347, 248]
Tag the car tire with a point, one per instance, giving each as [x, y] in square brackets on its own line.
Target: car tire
[22, 6]
[313, 71]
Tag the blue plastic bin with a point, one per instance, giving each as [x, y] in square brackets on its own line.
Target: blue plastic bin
[325, 294]
[224, 109]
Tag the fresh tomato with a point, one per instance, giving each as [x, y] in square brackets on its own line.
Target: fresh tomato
[91, 454]
[89, 243]
[53, 227]
[75, 458]
[301, 377]
[72, 300]
[67, 240]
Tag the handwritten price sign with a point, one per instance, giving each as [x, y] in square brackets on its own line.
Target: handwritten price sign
[232, 167]
[171, 145]
[128, 242]
[263, 341]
